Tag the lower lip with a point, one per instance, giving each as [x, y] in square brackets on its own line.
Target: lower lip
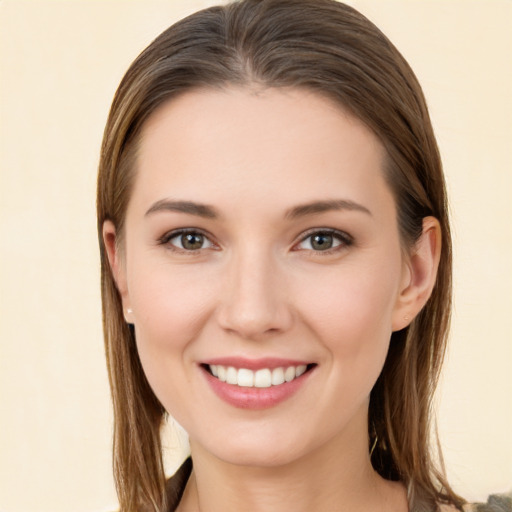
[255, 398]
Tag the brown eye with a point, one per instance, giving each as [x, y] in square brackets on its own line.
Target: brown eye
[189, 241]
[321, 241]
[192, 241]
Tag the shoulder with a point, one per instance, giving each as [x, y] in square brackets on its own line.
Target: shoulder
[495, 503]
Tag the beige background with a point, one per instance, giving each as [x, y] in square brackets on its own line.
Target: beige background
[60, 62]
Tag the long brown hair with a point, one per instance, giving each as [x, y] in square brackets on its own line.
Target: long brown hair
[331, 49]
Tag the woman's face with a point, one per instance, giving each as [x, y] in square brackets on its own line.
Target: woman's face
[261, 245]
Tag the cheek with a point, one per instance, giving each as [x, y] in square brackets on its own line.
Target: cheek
[359, 298]
[171, 306]
[170, 300]
[350, 310]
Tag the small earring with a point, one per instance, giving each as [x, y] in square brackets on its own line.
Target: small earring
[129, 311]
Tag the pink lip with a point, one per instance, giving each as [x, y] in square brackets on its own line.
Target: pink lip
[255, 364]
[254, 398]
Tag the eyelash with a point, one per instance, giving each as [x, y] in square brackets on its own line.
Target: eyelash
[344, 239]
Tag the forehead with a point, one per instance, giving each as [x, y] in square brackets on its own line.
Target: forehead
[286, 112]
[256, 144]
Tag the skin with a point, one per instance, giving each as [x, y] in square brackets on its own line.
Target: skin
[258, 288]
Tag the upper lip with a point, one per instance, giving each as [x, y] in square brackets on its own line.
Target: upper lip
[255, 364]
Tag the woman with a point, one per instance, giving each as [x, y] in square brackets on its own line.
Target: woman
[276, 265]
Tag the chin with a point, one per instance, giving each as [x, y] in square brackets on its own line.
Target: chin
[258, 458]
[262, 452]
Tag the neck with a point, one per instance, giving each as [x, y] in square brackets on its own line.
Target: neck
[336, 476]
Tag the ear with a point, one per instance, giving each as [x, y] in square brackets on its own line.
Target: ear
[117, 266]
[420, 272]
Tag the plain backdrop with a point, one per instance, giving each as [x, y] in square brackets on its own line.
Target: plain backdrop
[60, 63]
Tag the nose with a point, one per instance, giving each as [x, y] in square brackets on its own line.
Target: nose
[254, 304]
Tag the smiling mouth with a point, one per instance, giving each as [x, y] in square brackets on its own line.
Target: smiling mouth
[262, 378]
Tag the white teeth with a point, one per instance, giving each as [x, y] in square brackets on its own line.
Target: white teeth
[300, 370]
[222, 373]
[245, 378]
[232, 376]
[263, 378]
[289, 373]
[277, 376]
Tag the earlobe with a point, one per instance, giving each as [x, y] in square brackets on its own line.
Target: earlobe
[421, 271]
[116, 263]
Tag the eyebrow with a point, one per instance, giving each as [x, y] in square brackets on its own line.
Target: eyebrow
[189, 207]
[209, 212]
[316, 207]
